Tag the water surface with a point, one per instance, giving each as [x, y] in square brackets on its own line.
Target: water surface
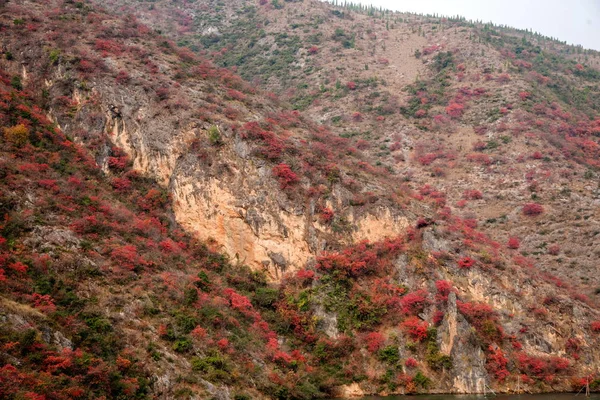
[552, 396]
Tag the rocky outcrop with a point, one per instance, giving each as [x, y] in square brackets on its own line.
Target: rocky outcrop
[455, 336]
[233, 200]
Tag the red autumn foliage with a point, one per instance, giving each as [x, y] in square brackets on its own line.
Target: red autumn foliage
[466, 263]
[513, 243]
[595, 326]
[223, 344]
[236, 95]
[542, 368]
[455, 110]
[420, 113]
[503, 78]
[413, 303]
[326, 215]
[524, 95]
[128, 257]
[415, 328]
[554, 249]
[285, 175]
[444, 288]
[496, 363]
[374, 341]
[532, 209]
[121, 184]
[411, 363]
[237, 301]
[18, 267]
[438, 317]
[44, 302]
[306, 276]
[472, 194]
[198, 332]
[483, 318]
[479, 158]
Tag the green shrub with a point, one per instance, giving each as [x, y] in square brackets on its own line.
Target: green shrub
[389, 354]
[214, 136]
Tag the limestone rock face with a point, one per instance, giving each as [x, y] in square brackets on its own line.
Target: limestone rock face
[468, 373]
[233, 199]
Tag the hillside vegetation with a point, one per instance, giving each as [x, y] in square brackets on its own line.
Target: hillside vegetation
[292, 200]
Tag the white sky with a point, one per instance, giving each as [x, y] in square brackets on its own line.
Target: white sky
[573, 21]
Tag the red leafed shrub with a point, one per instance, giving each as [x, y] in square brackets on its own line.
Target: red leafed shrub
[122, 77]
[420, 113]
[305, 275]
[223, 344]
[411, 363]
[483, 318]
[236, 95]
[573, 347]
[414, 302]
[532, 209]
[44, 302]
[466, 263]
[479, 145]
[513, 243]
[438, 317]
[428, 158]
[168, 246]
[198, 332]
[18, 267]
[431, 49]
[272, 147]
[237, 301]
[49, 184]
[455, 110]
[108, 46]
[496, 363]
[285, 175]
[374, 341]
[127, 256]
[537, 155]
[121, 184]
[313, 50]
[443, 290]
[326, 215]
[118, 163]
[503, 78]
[524, 95]
[86, 66]
[472, 194]
[33, 167]
[595, 326]
[479, 158]
[356, 116]
[351, 85]
[163, 93]
[554, 249]
[415, 328]
[542, 368]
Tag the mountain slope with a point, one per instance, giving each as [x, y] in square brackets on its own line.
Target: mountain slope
[340, 275]
[440, 102]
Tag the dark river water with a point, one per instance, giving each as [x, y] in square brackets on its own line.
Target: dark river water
[553, 396]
